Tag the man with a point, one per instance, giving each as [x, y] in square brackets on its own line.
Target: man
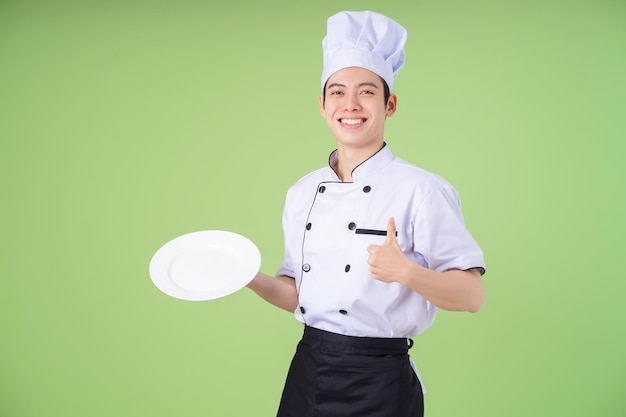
[373, 245]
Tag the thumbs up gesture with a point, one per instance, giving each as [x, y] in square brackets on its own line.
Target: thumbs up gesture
[387, 261]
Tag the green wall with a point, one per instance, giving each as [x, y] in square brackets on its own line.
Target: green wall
[124, 124]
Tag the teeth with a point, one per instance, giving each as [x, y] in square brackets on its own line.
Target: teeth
[351, 121]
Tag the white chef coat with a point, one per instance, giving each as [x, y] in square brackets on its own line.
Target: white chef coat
[328, 226]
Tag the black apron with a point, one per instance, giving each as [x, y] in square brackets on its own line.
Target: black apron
[332, 375]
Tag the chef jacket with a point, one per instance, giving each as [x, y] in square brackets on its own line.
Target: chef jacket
[328, 226]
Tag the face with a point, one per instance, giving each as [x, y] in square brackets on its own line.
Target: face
[355, 108]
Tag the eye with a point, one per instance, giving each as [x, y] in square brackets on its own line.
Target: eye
[335, 93]
[367, 92]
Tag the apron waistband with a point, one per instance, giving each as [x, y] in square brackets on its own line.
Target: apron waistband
[333, 342]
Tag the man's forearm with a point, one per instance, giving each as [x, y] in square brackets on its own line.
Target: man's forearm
[279, 291]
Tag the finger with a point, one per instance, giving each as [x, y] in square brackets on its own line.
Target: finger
[372, 249]
[391, 232]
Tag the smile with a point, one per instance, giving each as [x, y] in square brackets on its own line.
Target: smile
[352, 121]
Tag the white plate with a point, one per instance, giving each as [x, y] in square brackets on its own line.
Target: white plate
[205, 265]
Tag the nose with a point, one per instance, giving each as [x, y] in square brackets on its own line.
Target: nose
[352, 102]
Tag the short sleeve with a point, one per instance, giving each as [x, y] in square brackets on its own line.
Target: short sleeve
[286, 268]
[440, 234]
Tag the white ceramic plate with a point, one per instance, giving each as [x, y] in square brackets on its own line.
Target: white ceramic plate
[205, 265]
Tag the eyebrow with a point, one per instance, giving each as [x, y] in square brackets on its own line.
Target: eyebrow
[366, 84]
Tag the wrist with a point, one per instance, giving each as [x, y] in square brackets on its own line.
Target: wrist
[410, 273]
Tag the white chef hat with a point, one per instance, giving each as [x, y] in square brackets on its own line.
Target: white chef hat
[363, 39]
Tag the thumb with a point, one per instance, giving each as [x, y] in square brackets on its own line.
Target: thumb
[391, 232]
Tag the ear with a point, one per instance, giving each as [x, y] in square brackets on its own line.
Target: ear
[321, 100]
[392, 105]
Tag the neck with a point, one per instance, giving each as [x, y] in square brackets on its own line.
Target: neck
[349, 158]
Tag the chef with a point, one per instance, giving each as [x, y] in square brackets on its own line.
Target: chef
[374, 245]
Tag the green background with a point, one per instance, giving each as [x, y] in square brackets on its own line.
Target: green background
[124, 124]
